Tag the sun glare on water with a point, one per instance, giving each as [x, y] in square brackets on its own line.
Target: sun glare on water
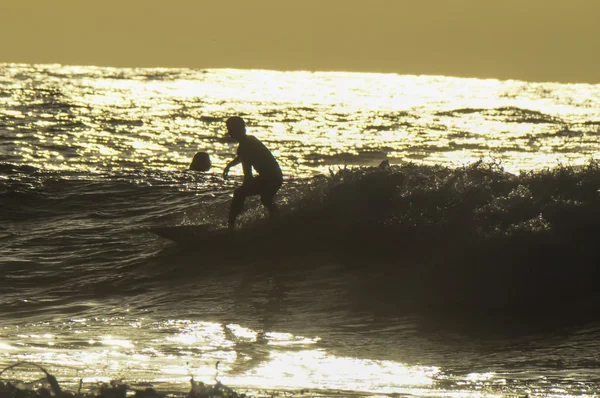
[96, 118]
[170, 352]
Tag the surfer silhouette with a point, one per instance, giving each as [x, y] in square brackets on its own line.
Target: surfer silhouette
[252, 154]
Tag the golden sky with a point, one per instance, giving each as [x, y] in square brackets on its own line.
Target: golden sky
[535, 40]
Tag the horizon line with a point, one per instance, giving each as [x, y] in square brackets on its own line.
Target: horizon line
[299, 70]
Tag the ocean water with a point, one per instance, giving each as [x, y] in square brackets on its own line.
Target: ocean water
[466, 264]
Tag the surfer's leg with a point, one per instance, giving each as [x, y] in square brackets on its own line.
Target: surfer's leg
[267, 197]
[239, 196]
[237, 205]
[269, 203]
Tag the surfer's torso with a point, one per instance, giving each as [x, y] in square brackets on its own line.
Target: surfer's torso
[254, 153]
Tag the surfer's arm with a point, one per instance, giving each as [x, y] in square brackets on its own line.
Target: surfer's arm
[234, 162]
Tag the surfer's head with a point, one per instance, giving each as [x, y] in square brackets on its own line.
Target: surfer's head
[201, 162]
[236, 127]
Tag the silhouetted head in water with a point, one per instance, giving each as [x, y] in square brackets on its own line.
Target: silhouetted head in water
[201, 162]
[236, 127]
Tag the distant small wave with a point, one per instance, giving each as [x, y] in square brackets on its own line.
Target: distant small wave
[507, 114]
[9, 168]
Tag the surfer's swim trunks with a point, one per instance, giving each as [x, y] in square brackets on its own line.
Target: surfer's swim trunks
[259, 185]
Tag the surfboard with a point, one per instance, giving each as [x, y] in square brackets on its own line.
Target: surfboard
[201, 234]
[207, 236]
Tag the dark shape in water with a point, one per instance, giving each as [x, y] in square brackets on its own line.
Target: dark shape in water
[201, 162]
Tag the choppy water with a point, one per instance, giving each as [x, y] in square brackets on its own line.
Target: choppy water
[440, 275]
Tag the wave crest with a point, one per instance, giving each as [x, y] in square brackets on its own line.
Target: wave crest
[474, 237]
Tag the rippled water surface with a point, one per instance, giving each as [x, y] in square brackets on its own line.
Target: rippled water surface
[89, 118]
[442, 275]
